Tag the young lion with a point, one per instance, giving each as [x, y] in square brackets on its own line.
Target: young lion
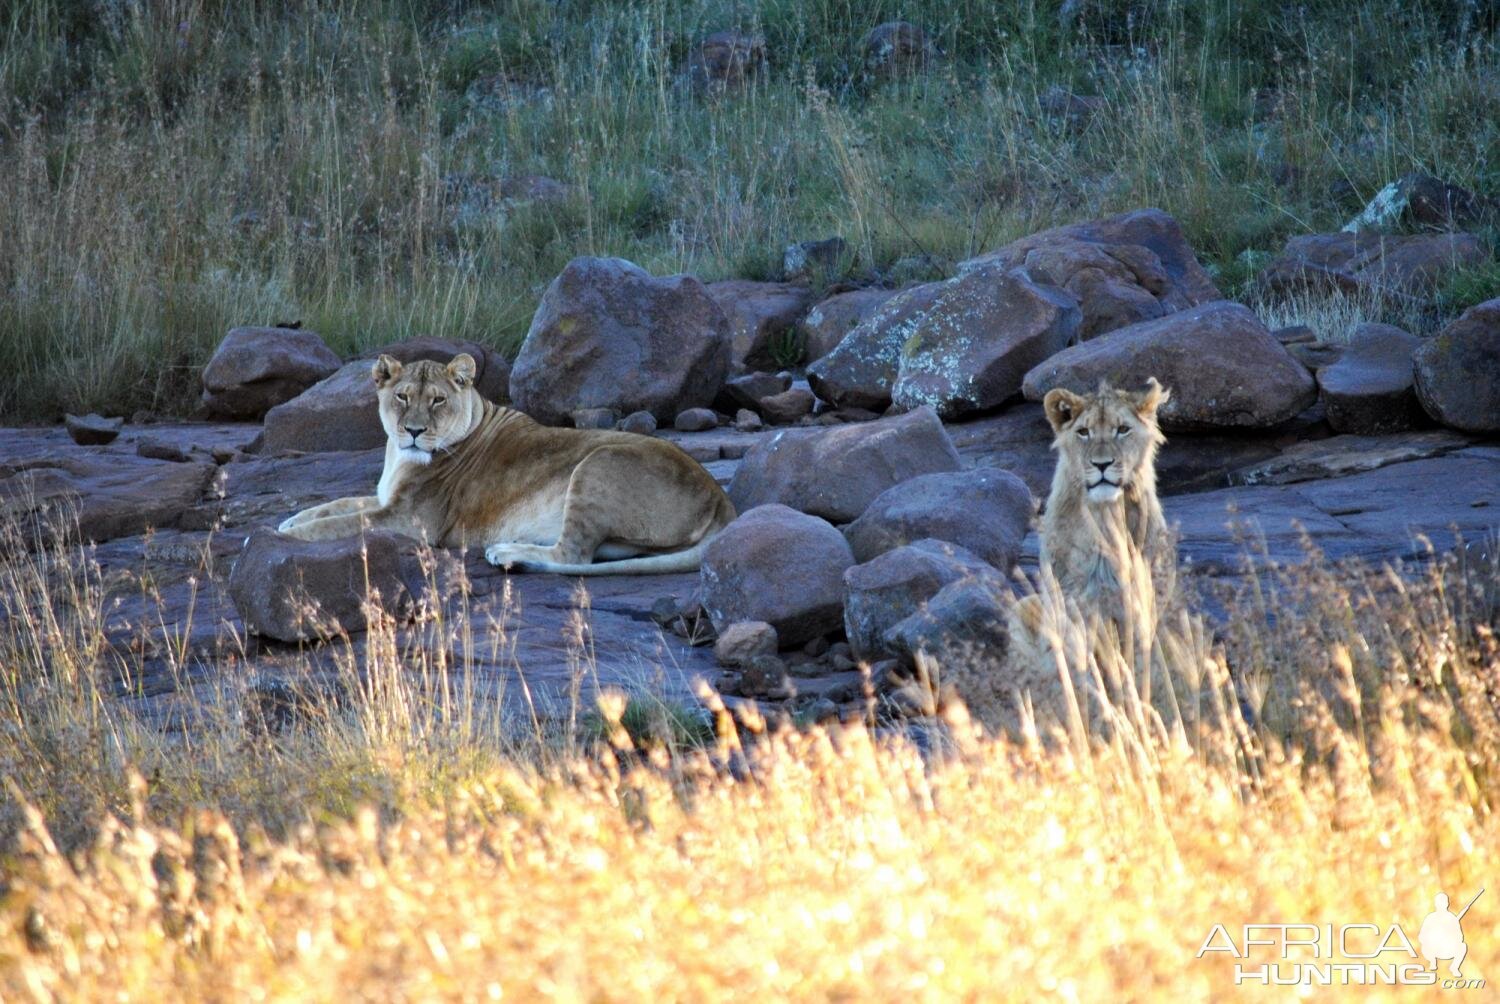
[1107, 556]
[460, 470]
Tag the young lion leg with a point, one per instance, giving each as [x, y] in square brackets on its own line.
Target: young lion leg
[338, 507]
[615, 504]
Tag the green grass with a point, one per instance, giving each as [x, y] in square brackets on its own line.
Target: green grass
[169, 170]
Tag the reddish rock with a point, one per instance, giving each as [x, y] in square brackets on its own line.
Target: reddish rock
[763, 319]
[255, 369]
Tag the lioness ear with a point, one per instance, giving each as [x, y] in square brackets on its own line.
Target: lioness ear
[462, 369]
[1062, 406]
[386, 369]
[1153, 397]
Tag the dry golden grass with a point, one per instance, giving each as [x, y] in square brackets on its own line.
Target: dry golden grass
[398, 850]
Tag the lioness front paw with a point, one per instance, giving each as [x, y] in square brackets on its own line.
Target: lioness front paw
[286, 525]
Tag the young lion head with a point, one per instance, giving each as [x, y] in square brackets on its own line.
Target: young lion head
[1107, 441]
[426, 406]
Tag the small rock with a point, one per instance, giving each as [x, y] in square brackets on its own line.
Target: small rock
[764, 676]
[155, 448]
[788, 406]
[746, 420]
[696, 420]
[816, 647]
[1315, 355]
[92, 429]
[747, 391]
[594, 418]
[1295, 334]
[812, 259]
[965, 620]
[642, 423]
[665, 610]
[742, 641]
[1370, 389]
[780, 566]
[861, 369]
[1458, 371]
[1368, 263]
[822, 711]
[1421, 200]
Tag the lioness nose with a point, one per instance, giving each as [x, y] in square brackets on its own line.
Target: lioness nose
[1103, 465]
[414, 433]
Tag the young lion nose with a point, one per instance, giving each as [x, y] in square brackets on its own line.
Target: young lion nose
[1103, 465]
[414, 433]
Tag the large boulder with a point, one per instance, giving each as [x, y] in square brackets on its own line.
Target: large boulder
[1368, 262]
[1369, 389]
[255, 369]
[780, 566]
[1122, 269]
[861, 370]
[896, 49]
[725, 60]
[836, 472]
[1458, 372]
[986, 510]
[607, 334]
[297, 590]
[763, 320]
[109, 495]
[342, 412]
[826, 324]
[881, 593]
[1224, 368]
[1420, 200]
[970, 349]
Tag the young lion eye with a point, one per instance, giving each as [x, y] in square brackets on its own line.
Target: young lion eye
[438, 400]
[1123, 430]
[1083, 434]
[402, 398]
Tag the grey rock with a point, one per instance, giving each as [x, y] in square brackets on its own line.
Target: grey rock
[594, 418]
[1122, 270]
[642, 423]
[780, 566]
[965, 620]
[986, 510]
[1420, 200]
[1458, 372]
[92, 429]
[1370, 388]
[812, 259]
[836, 472]
[742, 641]
[826, 324]
[294, 590]
[748, 390]
[695, 420]
[607, 334]
[746, 420]
[788, 406]
[1374, 263]
[970, 349]
[255, 369]
[1225, 370]
[763, 320]
[885, 591]
[861, 369]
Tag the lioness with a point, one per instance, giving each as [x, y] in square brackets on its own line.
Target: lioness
[460, 470]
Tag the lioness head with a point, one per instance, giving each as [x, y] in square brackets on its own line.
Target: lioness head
[1106, 441]
[426, 406]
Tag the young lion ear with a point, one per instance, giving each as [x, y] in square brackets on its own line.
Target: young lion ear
[386, 369]
[462, 369]
[1153, 397]
[1062, 406]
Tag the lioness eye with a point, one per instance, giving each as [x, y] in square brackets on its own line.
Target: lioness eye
[1123, 430]
[1083, 434]
[402, 398]
[438, 400]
